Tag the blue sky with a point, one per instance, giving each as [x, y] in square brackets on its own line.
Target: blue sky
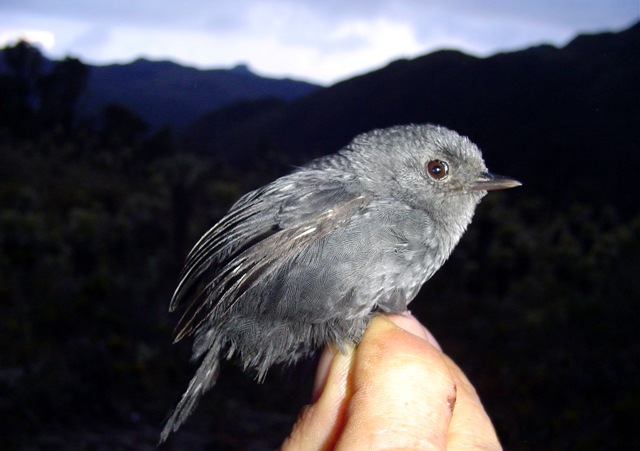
[322, 41]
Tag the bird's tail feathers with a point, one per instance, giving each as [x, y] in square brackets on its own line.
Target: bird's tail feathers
[203, 380]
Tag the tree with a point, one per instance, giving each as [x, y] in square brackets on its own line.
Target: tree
[60, 90]
[122, 126]
[19, 86]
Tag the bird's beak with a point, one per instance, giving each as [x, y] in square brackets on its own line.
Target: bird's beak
[491, 182]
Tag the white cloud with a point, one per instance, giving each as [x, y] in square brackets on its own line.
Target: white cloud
[42, 38]
[321, 40]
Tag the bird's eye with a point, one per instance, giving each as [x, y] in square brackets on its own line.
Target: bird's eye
[437, 169]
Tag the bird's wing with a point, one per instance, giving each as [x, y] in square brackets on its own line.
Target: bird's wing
[261, 232]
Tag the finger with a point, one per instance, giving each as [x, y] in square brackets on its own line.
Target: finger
[409, 323]
[402, 392]
[322, 371]
[320, 423]
[405, 321]
[470, 426]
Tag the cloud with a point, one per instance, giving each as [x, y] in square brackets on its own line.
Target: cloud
[321, 40]
[42, 38]
[93, 41]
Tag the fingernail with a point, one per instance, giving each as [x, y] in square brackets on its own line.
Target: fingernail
[409, 323]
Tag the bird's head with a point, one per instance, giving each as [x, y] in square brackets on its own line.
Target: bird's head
[426, 167]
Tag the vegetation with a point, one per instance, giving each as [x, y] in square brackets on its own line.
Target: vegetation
[537, 304]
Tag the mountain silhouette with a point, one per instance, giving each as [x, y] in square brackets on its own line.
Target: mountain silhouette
[564, 120]
[166, 93]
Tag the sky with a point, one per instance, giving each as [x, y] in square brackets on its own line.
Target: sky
[321, 41]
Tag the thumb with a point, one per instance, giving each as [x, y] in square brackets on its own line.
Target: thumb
[393, 391]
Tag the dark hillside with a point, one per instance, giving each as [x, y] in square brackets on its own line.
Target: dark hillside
[551, 116]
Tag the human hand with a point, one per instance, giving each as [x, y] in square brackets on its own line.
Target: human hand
[396, 389]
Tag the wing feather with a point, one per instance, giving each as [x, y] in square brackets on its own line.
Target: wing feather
[255, 239]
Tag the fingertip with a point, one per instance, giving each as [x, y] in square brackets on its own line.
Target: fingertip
[322, 371]
[320, 423]
[411, 324]
[402, 391]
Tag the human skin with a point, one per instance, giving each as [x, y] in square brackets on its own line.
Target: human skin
[395, 390]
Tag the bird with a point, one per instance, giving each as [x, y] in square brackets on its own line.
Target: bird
[309, 258]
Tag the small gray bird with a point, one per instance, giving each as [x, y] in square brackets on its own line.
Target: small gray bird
[307, 259]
